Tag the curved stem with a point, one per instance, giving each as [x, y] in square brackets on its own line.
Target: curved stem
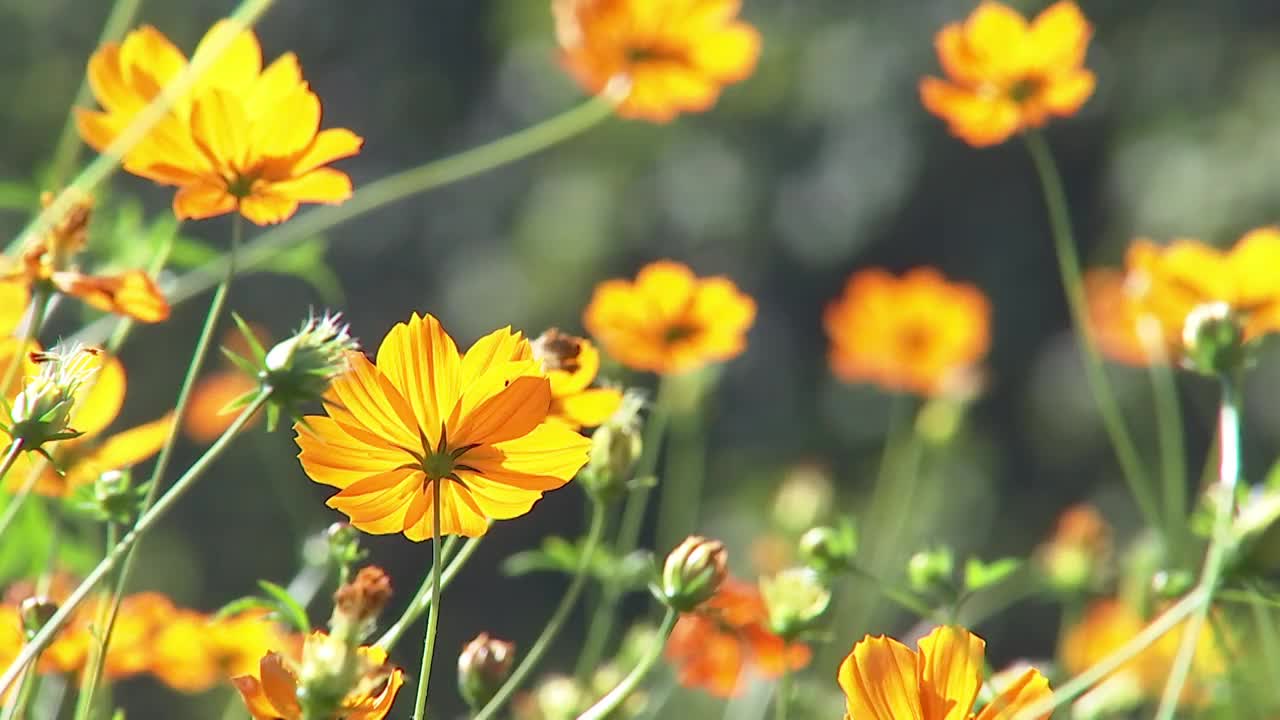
[610, 702]
[10, 457]
[105, 622]
[123, 549]
[1113, 422]
[423, 599]
[555, 623]
[1219, 544]
[433, 618]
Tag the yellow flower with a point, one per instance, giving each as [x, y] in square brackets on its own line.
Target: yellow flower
[669, 321]
[246, 139]
[273, 694]
[675, 55]
[571, 364]
[883, 679]
[423, 414]
[81, 460]
[1006, 75]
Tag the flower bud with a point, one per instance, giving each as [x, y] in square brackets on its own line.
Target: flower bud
[560, 697]
[931, 570]
[42, 411]
[1076, 556]
[35, 611]
[357, 604]
[1213, 338]
[615, 448]
[299, 369]
[116, 498]
[829, 550]
[693, 572]
[483, 666]
[795, 600]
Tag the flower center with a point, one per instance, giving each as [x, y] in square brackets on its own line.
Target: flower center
[1026, 88]
[438, 465]
[678, 332]
[656, 54]
[241, 186]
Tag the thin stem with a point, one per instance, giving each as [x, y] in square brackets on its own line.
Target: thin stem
[10, 457]
[1075, 687]
[1219, 544]
[610, 702]
[19, 498]
[901, 597]
[433, 618]
[425, 597]
[685, 473]
[35, 319]
[18, 710]
[555, 623]
[123, 549]
[67, 151]
[603, 617]
[782, 695]
[1113, 422]
[105, 623]
[1266, 634]
[1173, 465]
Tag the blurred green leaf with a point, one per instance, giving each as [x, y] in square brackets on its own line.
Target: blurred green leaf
[979, 574]
[288, 608]
[631, 571]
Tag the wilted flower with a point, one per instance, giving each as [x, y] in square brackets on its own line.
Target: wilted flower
[917, 333]
[669, 321]
[726, 636]
[1005, 75]
[883, 679]
[571, 364]
[674, 55]
[692, 572]
[424, 414]
[245, 139]
[483, 666]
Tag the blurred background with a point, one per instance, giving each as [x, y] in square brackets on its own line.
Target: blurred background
[820, 164]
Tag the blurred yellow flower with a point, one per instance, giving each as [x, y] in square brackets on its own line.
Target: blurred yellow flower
[571, 364]
[82, 460]
[246, 139]
[424, 414]
[883, 679]
[917, 333]
[670, 321]
[674, 55]
[273, 693]
[1005, 75]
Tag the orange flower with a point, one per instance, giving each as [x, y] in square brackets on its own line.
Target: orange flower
[14, 297]
[883, 679]
[48, 260]
[205, 420]
[675, 55]
[192, 652]
[273, 693]
[917, 333]
[571, 364]
[669, 321]
[1148, 305]
[246, 139]
[424, 414]
[82, 460]
[1005, 75]
[727, 634]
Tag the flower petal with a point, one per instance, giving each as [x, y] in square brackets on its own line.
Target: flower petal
[364, 398]
[332, 456]
[1025, 691]
[421, 361]
[879, 681]
[544, 459]
[512, 413]
[950, 672]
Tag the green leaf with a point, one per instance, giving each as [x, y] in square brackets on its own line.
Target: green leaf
[250, 337]
[979, 574]
[245, 604]
[289, 608]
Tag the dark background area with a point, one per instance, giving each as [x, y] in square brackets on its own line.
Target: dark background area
[822, 163]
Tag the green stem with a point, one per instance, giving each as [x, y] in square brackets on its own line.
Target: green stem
[19, 498]
[10, 457]
[685, 473]
[1173, 465]
[1113, 422]
[425, 597]
[555, 623]
[67, 151]
[1219, 544]
[104, 625]
[1157, 629]
[123, 549]
[35, 319]
[18, 710]
[610, 702]
[1267, 635]
[433, 618]
[604, 615]
[897, 595]
[783, 695]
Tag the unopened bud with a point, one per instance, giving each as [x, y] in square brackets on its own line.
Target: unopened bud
[1213, 338]
[42, 411]
[483, 666]
[35, 611]
[615, 448]
[299, 369]
[829, 550]
[795, 599]
[357, 604]
[693, 572]
[931, 570]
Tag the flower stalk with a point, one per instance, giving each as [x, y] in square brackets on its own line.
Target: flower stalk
[426, 595]
[605, 706]
[433, 617]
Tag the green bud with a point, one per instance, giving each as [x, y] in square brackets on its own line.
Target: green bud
[560, 697]
[692, 573]
[483, 666]
[615, 448]
[299, 369]
[35, 612]
[931, 570]
[829, 550]
[1213, 337]
[42, 411]
[795, 599]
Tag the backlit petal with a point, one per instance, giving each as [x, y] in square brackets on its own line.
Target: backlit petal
[364, 397]
[950, 673]
[1027, 690]
[879, 681]
[512, 413]
[421, 361]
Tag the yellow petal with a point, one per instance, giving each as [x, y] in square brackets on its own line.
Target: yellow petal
[99, 401]
[421, 362]
[544, 459]
[329, 145]
[950, 673]
[267, 207]
[589, 408]
[364, 398]
[459, 514]
[512, 413]
[1032, 687]
[149, 62]
[332, 456]
[1059, 37]
[879, 681]
[220, 127]
[200, 201]
[289, 125]
[239, 62]
[323, 185]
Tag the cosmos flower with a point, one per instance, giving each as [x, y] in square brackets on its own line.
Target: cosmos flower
[424, 414]
[1005, 75]
[674, 55]
[668, 320]
[571, 364]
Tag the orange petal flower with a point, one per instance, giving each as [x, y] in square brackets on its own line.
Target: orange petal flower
[670, 321]
[14, 297]
[246, 139]
[571, 364]
[883, 679]
[917, 333]
[132, 293]
[425, 413]
[273, 693]
[726, 635]
[676, 55]
[1005, 75]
